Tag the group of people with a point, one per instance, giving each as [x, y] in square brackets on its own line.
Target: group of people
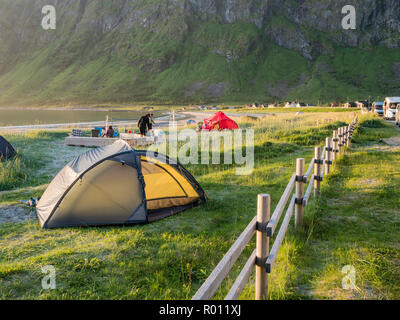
[145, 124]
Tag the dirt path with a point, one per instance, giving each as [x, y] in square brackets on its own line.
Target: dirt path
[163, 120]
[16, 213]
[393, 141]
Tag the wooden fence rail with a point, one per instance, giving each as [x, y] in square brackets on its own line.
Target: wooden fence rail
[264, 226]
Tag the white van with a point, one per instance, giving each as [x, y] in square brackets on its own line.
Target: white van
[377, 108]
[389, 107]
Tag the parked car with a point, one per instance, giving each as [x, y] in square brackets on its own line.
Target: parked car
[389, 107]
[377, 108]
[301, 105]
[364, 105]
[290, 105]
[350, 105]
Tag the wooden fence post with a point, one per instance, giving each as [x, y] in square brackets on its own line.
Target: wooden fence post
[335, 145]
[344, 133]
[263, 216]
[317, 170]
[351, 130]
[299, 208]
[340, 144]
[348, 135]
[328, 159]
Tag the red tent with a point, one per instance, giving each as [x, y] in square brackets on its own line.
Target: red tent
[219, 121]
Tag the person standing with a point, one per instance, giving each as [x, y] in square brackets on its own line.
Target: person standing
[144, 124]
[110, 132]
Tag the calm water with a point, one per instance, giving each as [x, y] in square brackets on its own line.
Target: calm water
[16, 117]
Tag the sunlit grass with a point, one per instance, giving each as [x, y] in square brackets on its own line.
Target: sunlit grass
[12, 172]
[355, 221]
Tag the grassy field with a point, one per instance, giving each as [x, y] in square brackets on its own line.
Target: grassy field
[354, 222]
[40, 156]
[294, 110]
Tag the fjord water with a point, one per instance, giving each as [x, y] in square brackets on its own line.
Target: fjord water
[23, 117]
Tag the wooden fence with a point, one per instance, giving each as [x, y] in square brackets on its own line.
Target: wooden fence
[264, 226]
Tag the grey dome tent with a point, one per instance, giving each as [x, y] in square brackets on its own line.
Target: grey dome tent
[6, 149]
[117, 185]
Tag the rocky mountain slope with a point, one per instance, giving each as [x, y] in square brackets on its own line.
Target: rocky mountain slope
[181, 51]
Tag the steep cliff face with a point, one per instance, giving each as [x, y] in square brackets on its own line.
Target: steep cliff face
[197, 50]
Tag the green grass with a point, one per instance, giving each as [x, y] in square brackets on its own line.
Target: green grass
[356, 222]
[12, 173]
[19, 171]
[171, 258]
[39, 156]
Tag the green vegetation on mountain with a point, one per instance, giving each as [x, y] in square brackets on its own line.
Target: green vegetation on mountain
[192, 51]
